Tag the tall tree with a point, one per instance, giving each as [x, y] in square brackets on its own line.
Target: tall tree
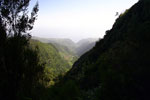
[14, 16]
[20, 70]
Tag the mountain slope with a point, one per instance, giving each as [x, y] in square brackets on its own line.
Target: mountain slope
[59, 41]
[85, 45]
[117, 68]
[65, 47]
[68, 47]
[66, 54]
[55, 64]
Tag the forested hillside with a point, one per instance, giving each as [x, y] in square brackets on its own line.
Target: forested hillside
[54, 63]
[69, 49]
[69, 44]
[117, 68]
[67, 54]
[21, 73]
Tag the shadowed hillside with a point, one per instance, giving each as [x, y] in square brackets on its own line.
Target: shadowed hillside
[114, 68]
[117, 68]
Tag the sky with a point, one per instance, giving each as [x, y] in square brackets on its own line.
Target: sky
[77, 19]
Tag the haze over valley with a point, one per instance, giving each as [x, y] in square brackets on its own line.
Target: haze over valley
[70, 47]
[77, 19]
[74, 50]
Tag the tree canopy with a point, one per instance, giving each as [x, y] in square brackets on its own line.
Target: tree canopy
[20, 70]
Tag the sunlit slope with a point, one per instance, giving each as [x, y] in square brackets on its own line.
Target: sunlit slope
[51, 57]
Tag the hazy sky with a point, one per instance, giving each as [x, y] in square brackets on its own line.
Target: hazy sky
[77, 19]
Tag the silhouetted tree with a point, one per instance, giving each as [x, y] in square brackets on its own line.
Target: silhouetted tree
[20, 70]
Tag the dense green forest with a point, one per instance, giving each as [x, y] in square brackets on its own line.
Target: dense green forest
[54, 63]
[68, 48]
[21, 72]
[117, 68]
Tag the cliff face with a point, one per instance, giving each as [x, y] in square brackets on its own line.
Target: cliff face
[119, 66]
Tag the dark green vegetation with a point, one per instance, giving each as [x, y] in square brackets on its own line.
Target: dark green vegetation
[69, 50]
[21, 73]
[54, 63]
[65, 47]
[28, 67]
[117, 68]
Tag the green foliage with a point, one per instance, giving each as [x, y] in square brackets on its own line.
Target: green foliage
[20, 70]
[117, 67]
[65, 47]
[68, 90]
[68, 49]
[55, 64]
[66, 53]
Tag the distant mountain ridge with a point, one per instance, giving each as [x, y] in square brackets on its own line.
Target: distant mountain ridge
[117, 68]
[85, 45]
[68, 46]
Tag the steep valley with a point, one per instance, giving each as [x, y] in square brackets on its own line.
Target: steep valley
[59, 54]
[117, 68]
